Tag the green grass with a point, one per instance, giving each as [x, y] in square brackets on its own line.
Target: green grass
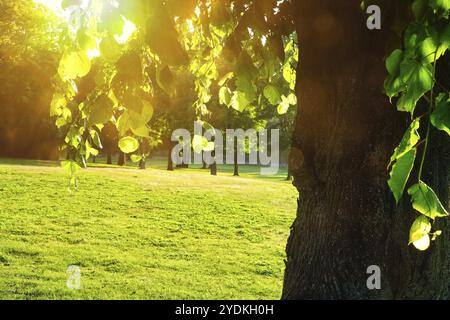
[147, 234]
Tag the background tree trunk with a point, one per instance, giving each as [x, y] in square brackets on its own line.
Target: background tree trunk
[143, 149]
[213, 169]
[345, 133]
[169, 158]
[108, 157]
[122, 159]
[236, 164]
[214, 165]
[142, 165]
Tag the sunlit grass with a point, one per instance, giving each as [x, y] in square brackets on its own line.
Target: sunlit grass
[141, 234]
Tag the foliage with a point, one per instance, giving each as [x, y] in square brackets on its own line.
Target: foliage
[105, 76]
[29, 55]
[411, 79]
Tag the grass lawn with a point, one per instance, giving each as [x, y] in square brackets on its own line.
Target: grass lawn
[147, 234]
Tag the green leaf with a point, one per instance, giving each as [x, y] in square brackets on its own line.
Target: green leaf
[239, 101]
[165, 79]
[200, 143]
[110, 49]
[219, 13]
[136, 158]
[70, 167]
[143, 131]
[428, 50]
[426, 202]
[123, 123]
[440, 4]
[272, 94]
[441, 115]
[290, 75]
[245, 68]
[283, 107]
[246, 86]
[57, 105]
[419, 8]
[96, 138]
[60, 122]
[225, 96]
[225, 78]
[101, 110]
[418, 79]
[400, 173]
[128, 145]
[409, 141]
[436, 234]
[393, 62]
[445, 36]
[74, 65]
[286, 102]
[73, 138]
[90, 150]
[86, 40]
[393, 86]
[132, 102]
[292, 99]
[419, 233]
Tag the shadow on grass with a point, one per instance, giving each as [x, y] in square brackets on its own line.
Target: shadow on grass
[245, 171]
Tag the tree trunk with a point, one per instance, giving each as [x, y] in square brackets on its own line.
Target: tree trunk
[142, 164]
[214, 165]
[122, 159]
[169, 158]
[345, 133]
[236, 164]
[109, 158]
[236, 169]
[289, 176]
[214, 169]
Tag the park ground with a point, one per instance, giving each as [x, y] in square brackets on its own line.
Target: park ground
[138, 234]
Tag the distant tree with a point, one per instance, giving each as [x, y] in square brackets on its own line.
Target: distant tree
[29, 58]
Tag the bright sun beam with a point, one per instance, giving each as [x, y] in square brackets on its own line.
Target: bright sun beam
[128, 30]
[55, 6]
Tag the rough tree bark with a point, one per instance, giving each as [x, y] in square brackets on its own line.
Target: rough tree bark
[345, 132]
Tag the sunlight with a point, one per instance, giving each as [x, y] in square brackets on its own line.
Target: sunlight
[128, 30]
[56, 7]
[93, 53]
